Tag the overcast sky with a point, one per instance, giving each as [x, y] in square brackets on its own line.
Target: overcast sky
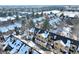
[38, 2]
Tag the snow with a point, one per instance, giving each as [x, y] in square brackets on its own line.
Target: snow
[20, 16]
[3, 29]
[14, 15]
[10, 27]
[55, 11]
[69, 13]
[54, 31]
[53, 21]
[62, 43]
[68, 43]
[17, 25]
[31, 44]
[45, 35]
[78, 48]
[7, 18]
[51, 15]
[67, 29]
[13, 51]
[10, 17]
[47, 12]
[32, 30]
[38, 19]
[9, 41]
[26, 12]
[57, 30]
[3, 19]
[23, 49]
[17, 46]
[34, 52]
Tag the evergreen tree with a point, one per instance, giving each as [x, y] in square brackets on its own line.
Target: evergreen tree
[27, 16]
[42, 13]
[16, 30]
[23, 22]
[62, 15]
[37, 15]
[17, 18]
[51, 13]
[33, 14]
[46, 25]
[31, 24]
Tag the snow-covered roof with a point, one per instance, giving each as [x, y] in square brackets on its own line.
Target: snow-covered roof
[3, 19]
[23, 49]
[14, 15]
[51, 15]
[32, 30]
[7, 18]
[10, 27]
[67, 29]
[34, 52]
[17, 43]
[57, 30]
[38, 19]
[26, 12]
[55, 11]
[68, 43]
[45, 35]
[20, 16]
[10, 17]
[62, 43]
[3, 29]
[69, 13]
[18, 46]
[53, 21]
[17, 24]
[47, 12]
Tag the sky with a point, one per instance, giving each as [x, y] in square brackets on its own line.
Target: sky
[39, 2]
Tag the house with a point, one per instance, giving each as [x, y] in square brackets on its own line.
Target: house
[30, 34]
[39, 25]
[10, 28]
[41, 38]
[54, 22]
[38, 19]
[14, 46]
[66, 31]
[24, 49]
[13, 43]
